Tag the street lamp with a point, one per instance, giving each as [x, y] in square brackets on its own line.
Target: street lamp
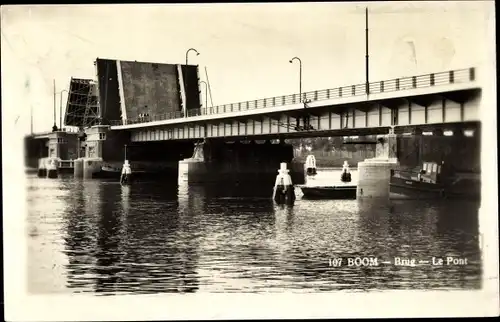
[60, 107]
[300, 76]
[54, 128]
[187, 52]
[206, 93]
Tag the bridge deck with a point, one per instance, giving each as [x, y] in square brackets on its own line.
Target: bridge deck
[428, 84]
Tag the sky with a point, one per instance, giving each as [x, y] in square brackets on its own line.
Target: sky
[246, 48]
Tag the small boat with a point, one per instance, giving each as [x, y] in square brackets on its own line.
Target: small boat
[107, 172]
[341, 191]
[108, 168]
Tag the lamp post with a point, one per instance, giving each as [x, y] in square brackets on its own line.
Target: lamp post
[187, 52]
[300, 76]
[60, 107]
[206, 93]
[54, 127]
[366, 53]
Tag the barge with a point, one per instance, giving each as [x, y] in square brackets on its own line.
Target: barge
[435, 181]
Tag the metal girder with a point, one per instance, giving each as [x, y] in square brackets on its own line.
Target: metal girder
[393, 103]
[338, 109]
[458, 97]
[293, 114]
[415, 129]
[424, 100]
[82, 107]
[275, 117]
[364, 106]
[258, 118]
[316, 113]
[290, 126]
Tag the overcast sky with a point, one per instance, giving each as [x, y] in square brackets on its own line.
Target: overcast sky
[246, 47]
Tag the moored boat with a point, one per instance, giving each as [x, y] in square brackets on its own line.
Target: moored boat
[107, 172]
[341, 191]
[434, 181]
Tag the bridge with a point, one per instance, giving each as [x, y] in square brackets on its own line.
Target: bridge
[208, 143]
[450, 97]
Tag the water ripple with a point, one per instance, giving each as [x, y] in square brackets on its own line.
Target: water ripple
[163, 238]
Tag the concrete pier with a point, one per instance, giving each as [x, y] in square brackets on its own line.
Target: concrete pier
[52, 166]
[78, 168]
[48, 167]
[374, 174]
[42, 169]
[91, 166]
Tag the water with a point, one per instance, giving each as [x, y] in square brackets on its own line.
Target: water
[99, 237]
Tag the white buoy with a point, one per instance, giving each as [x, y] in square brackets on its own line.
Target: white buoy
[346, 174]
[311, 165]
[126, 173]
[42, 169]
[284, 191]
[52, 167]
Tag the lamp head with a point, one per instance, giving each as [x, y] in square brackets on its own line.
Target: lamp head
[291, 61]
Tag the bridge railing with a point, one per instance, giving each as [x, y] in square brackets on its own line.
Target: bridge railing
[392, 85]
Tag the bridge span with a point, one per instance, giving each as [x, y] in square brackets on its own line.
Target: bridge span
[450, 97]
[207, 144]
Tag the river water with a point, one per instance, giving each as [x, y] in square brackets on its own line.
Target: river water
[100, 237]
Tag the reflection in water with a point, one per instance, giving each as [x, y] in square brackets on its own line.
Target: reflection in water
[46, 260]
[110, 239]
[167, 237]
[411, 229]
[80, 237]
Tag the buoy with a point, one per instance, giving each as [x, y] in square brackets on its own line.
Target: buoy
[42, 170]
[52, 168]
[346, 174]
[310, 165]
[126, 176]
[284, 191]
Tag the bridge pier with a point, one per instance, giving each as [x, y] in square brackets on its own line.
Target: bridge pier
[216, 160]
[90, 164]
[374, 174]
[61, 145]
